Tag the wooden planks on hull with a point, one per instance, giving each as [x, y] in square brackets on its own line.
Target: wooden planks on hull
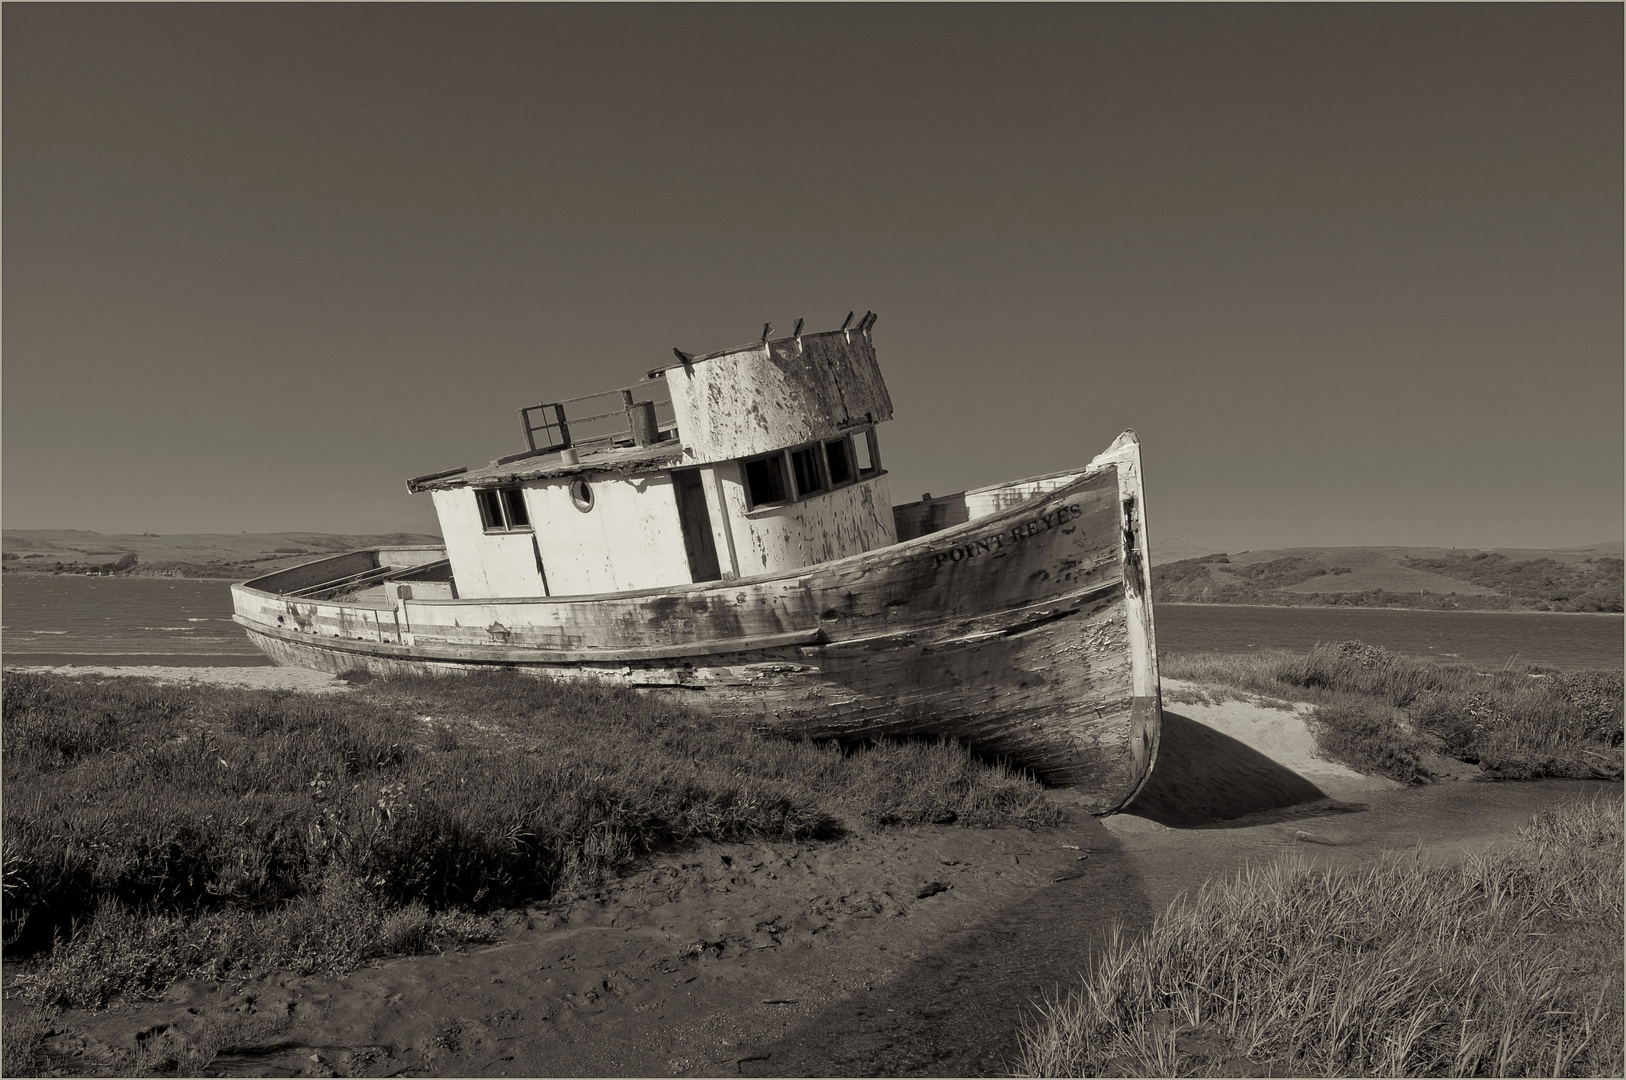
[1055, 697]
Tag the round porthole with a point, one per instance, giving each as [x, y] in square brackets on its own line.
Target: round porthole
[581, 493]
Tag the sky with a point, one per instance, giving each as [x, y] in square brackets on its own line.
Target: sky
[1352, 272]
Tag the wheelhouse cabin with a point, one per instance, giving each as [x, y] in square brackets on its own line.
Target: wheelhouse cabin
[754, 460]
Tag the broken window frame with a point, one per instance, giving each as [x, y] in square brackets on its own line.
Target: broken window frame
[809, 470]
[839, 450]
[873, 446]
[781, 480]
[503, 509]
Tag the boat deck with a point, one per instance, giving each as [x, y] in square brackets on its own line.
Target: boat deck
[373, 598]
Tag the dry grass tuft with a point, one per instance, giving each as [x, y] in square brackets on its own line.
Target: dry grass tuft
[1384, 713]
[1507, 965]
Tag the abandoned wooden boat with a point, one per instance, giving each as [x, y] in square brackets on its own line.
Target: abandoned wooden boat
[723, 530]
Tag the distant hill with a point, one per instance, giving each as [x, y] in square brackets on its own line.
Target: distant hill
[206, 555]
[1568, 579]
[1512, 579]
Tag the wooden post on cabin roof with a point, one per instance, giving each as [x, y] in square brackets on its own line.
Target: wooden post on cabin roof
[641, 420]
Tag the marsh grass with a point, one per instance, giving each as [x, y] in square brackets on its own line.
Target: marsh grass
[131, 952]
[1385, 713]
[22, 1031]
[159, 832]
[1509, 964]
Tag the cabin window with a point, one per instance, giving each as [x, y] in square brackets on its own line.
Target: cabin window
[808, 469]
[812, 468]
[866, 455]
[765, 479]
[502, 509]
[490, 508]
[838, 454]
[581, 495]
[513, 508]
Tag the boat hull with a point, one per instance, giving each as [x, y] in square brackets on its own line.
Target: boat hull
[1025, 633]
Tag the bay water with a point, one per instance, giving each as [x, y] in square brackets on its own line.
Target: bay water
[73, 619]
[1489, 640]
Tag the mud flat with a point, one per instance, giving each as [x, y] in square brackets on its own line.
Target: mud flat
[913, 951]
[250, 678]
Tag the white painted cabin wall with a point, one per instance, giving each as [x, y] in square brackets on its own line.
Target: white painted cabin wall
[484, 564]
[717, 505]
[630, 539]
[832, 525]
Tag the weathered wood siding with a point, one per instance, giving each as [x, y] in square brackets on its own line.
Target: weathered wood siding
[784, 392]
[335, 567]
[306, 575]
[630, 539]
[933, 515]
[930, 515]
[713, 480]
[997, 498]
[1050, 691]
[485, 564]
[413, 555]
[828, 526]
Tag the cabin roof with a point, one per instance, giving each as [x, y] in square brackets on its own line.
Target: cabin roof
[775, 392]
[618, 459]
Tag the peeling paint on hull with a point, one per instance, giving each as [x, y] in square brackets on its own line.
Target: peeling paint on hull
[1026, 634]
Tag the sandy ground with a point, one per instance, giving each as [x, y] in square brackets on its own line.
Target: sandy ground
[254, 678]
[916, 951]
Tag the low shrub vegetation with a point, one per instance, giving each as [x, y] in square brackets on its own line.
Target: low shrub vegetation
[158, 832]
[1592, 585]
[1509, 964]
[1382, 712]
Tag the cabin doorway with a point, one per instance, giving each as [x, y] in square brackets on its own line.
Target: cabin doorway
[695, 520]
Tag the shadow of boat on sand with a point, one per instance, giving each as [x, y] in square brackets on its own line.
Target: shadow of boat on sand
[1203, 776]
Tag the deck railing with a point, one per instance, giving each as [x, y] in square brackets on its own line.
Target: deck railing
[617, 417]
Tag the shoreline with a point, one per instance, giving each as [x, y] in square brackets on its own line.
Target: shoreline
[140, 577]
[1364, 607]
[265, 676]
[134, 659]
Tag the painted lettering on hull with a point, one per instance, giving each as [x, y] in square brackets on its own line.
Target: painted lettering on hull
[1014, 535]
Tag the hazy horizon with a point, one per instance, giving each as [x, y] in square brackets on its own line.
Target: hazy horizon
[1352, 273]
[1164, 548]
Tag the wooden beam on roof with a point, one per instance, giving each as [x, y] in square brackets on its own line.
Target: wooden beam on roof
[412, 484]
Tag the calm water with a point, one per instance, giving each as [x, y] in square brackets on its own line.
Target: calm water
[170, 621]
[89, 620]
[1482, 638]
